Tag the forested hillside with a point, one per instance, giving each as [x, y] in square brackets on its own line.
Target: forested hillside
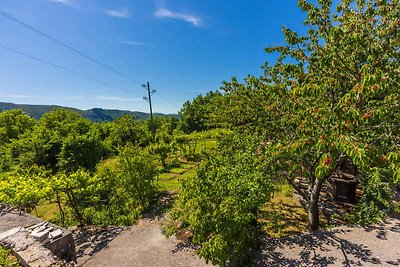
[94, 114]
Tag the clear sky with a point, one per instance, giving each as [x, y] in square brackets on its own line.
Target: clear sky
[182, 47]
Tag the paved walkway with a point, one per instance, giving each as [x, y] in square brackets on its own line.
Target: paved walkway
[144, 245]
[377, 245]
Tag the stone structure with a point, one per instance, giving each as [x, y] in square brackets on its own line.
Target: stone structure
[344, 182]
[343, 185]
[35, 241]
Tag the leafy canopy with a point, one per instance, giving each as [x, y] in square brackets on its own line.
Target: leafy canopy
[220, 204]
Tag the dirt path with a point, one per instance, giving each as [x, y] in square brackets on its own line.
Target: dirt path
[144, 245]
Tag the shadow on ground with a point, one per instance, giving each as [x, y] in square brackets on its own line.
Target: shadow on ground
[163, 203]
[382, 229]
[93, 239]
[324, 248]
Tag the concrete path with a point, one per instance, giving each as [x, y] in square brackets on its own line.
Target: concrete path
[144, 246]
[377, 245]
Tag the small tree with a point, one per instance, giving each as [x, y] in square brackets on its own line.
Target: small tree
[24, 188]
[136, 170]
[13, 123]
[220, 204]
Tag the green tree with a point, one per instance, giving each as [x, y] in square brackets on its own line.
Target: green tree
[62, 140]
[162, 150]
[245, 107]
[334, 94]
[197, 115]
[24, 188]
[79, 187]
[220, 204]
[136, 170]
[13, 123]
[80, 150]
[125, 130]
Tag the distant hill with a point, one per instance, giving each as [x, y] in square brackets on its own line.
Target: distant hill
[94, 114]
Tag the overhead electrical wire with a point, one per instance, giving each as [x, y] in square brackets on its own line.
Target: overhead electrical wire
[77, 73]
[63, 68]
[30, 27]
[166, 100]
[47, 36]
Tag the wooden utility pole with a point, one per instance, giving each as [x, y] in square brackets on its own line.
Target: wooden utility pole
[148, 98]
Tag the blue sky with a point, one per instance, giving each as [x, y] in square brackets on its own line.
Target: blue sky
[182, 47]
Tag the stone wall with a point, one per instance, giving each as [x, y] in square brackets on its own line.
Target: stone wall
[31, 238]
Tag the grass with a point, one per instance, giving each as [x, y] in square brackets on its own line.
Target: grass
[190, 173]
[283, 216]
[206, 144]
[7, 259]
[46, 211]
[172, 175]
[171, 181]
[170, 185]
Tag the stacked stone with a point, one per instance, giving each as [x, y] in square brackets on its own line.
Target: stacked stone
[28, 250]
[43, 231]
[35, 242]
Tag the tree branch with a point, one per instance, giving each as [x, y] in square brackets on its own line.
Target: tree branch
[298, 189]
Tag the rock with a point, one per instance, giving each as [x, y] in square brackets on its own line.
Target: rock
[10, 232]
[40, 236]
[33, 227]
[41, 228]
[56, 234]
[184, 236]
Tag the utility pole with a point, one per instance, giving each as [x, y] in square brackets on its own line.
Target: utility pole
[148, 98]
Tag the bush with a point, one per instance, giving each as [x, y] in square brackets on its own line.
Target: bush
[375, 202]
[220, 205]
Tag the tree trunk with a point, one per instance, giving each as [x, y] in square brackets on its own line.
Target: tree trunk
[313, 211]
[62, 215]
[74, 205]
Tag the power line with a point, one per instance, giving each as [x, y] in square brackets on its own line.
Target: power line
[30, 27]
[63, 68]
[166, 100]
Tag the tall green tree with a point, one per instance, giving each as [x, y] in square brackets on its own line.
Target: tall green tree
[335, 93]
[13, 123]
[197, 115]
[62, 140]
[127, 131]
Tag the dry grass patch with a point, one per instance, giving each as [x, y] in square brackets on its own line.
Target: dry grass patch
[283, 216]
